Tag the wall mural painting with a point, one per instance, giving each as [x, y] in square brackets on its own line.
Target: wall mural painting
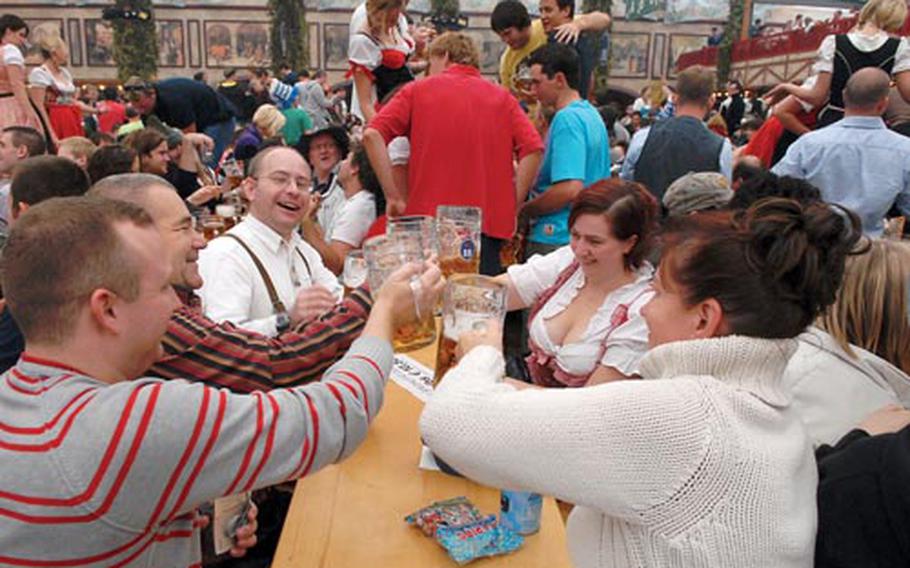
[679, 44]
[171, 44]
[236, 44]
[99, 43]
[629, 54]
[335, 46]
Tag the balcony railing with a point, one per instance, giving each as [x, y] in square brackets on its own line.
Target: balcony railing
[783, 43]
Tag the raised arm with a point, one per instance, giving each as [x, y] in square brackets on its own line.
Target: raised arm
[586, 446]
[243, 361]
[786, 112]
[815, 94]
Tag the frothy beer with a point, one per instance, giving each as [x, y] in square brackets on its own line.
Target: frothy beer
[415, 335]
[457, 265]
[452, 327]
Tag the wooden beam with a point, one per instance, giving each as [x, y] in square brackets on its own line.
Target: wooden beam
[747, 19]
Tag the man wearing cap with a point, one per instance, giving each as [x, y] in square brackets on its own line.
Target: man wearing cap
[324, 150]
[696, 192]
[188, 105]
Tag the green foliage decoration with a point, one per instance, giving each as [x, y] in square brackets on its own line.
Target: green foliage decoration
[602, 71]
[135, 49]
[732, 31]
[288, 43]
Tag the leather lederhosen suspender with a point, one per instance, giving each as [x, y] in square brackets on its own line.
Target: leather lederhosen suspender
[277, 304]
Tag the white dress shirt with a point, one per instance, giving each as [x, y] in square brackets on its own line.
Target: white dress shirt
[234, 290]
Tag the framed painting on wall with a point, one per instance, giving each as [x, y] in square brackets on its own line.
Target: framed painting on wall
[682, 43]
[629, 54]
[171, 44]
[38, 30]
[335, 46]
[99, 43]
[236, 44]
[659, 56]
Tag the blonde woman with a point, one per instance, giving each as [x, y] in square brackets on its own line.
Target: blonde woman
[53, 92]
[872, 310]
[378, 54]
[15, 106]
[869, 44]
[858, 361]
[267, 123]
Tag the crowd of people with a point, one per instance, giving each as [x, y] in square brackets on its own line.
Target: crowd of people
[710, 365]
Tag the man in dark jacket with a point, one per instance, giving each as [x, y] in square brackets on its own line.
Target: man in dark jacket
[187, 105]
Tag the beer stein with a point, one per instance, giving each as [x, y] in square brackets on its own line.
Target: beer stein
[228, 214]
[212, 226]
[384, 255]
[419, 227]
[458, 230]
[470, 301]
[355, 271]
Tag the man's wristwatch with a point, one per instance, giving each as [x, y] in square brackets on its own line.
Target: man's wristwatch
[282, 322]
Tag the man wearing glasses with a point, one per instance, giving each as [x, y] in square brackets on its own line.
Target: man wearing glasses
[261, 275]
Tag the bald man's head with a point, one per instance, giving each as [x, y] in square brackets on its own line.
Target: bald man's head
[867, 92]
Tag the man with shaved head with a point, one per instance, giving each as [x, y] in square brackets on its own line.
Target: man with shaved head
[261, 275]
[857, 162]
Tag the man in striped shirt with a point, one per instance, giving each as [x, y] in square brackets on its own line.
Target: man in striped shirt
[109, 467]
[196, 347]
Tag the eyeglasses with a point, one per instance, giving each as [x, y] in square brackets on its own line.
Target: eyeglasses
[284, 180]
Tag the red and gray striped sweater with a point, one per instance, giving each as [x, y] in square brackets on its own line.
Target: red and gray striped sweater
[93, 474]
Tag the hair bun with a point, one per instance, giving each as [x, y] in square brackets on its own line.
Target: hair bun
[800, 249]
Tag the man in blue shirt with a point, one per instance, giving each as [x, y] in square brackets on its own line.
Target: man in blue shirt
[857, 162]
[577, 151]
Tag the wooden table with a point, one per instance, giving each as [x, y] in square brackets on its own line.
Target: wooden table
[351, 515]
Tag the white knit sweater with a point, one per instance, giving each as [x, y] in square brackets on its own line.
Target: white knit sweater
[699, 465]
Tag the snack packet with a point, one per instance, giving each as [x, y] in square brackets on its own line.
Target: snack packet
[451, 512]
[475, 540]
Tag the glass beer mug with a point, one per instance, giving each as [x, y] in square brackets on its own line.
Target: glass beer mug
[355, 270]
[458, 230]
[384, 255]
[469, 301]
[421, 228]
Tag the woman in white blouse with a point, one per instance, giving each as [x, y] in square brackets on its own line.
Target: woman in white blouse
[585, 325]
[378, 53]
[701, 463]
[53, 92]
[869, 44]
[15, 106]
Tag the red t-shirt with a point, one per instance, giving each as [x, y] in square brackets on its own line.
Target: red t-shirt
[464, 132]
[112, 114]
